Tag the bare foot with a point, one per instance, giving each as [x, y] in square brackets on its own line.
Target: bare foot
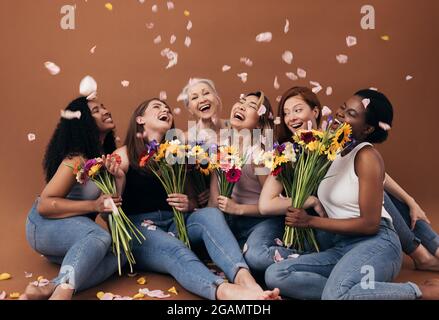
[62, 292]
[33, 292]
[244, 278]
[424, 260]
[272, 295]
[230, 291]
[430, 290]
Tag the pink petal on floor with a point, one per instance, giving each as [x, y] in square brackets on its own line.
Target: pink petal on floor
[264, 37]
[43, 282]
[2, 295]
[351, 41]
[287, 57]
[245, 248]
[52, 68]
[154, 293]
[279, 242]
[277, 257]
[107, 296]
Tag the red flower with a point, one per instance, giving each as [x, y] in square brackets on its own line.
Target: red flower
[277, 171]
[233, 175]
[307, 137]
[145, 158]
[116, 157]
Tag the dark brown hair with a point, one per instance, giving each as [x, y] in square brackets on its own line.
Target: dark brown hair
[281, 132]
[136, 145]
[265, 120]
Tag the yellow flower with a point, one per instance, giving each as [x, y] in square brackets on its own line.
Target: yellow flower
[205, 166]
[332, 153]
[268, 159]
[196, 151]
[279, 160]
[141, 280]
[14, 295]
[139, 296]
[161, 151]
[341, 136]
[173, 290]
[94, 170]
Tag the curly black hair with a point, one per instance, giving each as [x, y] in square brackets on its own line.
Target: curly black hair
[76, 137]
[379, 110]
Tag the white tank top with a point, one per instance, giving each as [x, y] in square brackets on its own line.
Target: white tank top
[339, 191]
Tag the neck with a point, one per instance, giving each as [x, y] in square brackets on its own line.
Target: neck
[350, 147]
[154, 135]
[207, 124]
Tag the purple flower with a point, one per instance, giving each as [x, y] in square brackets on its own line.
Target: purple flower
[152, 146]
[89, 163]
[280, 148]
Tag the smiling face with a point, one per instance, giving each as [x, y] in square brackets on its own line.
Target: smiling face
[297, 113]
[156, 117]
[353, 112]
[203, 102]
[102, 116]
[244, 113]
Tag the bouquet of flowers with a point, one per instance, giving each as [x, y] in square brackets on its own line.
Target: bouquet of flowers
[201, 169]
[228, 169]
[316, 149]
[121, 228]
[168, 162]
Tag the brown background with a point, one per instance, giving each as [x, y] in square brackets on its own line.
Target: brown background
[223, 31]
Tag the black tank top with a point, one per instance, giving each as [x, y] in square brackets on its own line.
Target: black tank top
[143, 193]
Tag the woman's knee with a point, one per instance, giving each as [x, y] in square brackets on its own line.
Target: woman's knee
[275, 275]
[101, 235]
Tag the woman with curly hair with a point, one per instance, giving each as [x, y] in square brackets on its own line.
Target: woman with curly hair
[61, 224]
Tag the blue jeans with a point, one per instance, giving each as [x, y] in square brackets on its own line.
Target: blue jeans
[410, 239]
[261, 244]
[164, 253]
[357, 267]
[78, 244]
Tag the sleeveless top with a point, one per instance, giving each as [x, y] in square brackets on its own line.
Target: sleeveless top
[86, 191]
[143, 193]
[339, 191]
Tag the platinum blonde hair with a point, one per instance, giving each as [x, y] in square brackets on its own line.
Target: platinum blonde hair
[184, 95]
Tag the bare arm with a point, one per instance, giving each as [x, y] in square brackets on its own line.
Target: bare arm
[214, 191]
[270, 203]
[369, 168]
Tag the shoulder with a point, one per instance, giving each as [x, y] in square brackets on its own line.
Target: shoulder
[368, 159]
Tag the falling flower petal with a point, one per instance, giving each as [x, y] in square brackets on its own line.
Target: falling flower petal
[182, 97]
[88, 87]
[173, 38]
[163, 96]
[187, 41]
[278, 242]
[287, 56]
[173, 290]
[150, 25]
[278, 98]
[291, 76]
[109, 6]
[276, 83]
[125, 83]
[245, 248]
[408, 78]
[2, 295]
[365, 102]
[154, 293]
[186, 13]
[157, 40]
[141, 280]
[170, 5]
[374, 89]
[351, 41]
[171, 56]
[5, 276]
[262, 110]
[277, 121]
[342, 58]
[277, 257]
[301, 73]
[31, 137]
[52, 68]
[246, 61]
[326, 111]
[154, 8]
[316, 87]
[309, 123]
[226, 68]
[177, 111]
[92, 50]
[287, 26]
[189, 25]
[243, 77]
[264, 37]
[14, 295]
[384, 126]
[28, 274]
[328, 91]
[385, 38]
